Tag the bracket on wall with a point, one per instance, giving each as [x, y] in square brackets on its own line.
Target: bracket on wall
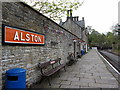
[53, 43]
[70, 44]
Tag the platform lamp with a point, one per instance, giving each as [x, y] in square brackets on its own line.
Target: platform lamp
[79, 45]
[74, 41]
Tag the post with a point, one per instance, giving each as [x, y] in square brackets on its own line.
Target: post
[74, 41]
[86, 47]
[79, 45]
[74, 49]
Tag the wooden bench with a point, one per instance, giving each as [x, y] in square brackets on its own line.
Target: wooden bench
[53, 65]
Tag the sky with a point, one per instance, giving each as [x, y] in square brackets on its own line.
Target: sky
[100, 14]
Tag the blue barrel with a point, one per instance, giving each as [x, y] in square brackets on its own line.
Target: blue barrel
[82, 52]
[16, 78]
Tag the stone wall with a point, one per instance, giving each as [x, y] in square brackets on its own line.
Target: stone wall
[76, 29]
[58, 41]
[85, 38]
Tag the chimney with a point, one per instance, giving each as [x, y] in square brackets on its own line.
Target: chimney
[83, 18]
[77, 18]
[69, 14]
[83, 21]
[73, 18]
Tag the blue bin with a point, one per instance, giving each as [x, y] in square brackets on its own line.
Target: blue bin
[16, 78]
[82, 52]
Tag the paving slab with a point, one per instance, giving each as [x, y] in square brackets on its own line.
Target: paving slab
[88, 72]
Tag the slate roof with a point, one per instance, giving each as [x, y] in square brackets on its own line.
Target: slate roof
[81, 23]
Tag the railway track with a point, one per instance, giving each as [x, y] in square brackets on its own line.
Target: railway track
[113, 59]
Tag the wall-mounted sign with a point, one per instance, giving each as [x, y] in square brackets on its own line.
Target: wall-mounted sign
[21, 36]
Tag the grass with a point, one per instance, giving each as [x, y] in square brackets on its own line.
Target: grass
[116, 51]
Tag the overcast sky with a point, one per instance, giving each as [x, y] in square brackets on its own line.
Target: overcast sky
[100, 14]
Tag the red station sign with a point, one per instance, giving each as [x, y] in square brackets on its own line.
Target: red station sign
[22, 36]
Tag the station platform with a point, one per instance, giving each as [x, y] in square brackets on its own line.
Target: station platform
[88, 72]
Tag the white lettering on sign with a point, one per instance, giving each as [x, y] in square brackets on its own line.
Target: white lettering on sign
[21, 35]
[39, 39]
[28, 37]
[16, 37]
[32, 37]
[35, 38]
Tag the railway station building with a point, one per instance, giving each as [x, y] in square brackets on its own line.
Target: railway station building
[76, 26]
[27, 38]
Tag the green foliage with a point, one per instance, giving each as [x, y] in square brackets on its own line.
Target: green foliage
[93, 38]
[55, 9]
[108, 40]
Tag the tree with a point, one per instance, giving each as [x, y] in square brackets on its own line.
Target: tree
[97, 39]
[89, 29]
[116, 30]
[54, 9]
[109, 39]
[93, 38]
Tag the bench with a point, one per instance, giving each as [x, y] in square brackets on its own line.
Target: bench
[50, 67]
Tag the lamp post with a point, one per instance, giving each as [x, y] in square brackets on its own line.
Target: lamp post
[74, 41]
[79, 46]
